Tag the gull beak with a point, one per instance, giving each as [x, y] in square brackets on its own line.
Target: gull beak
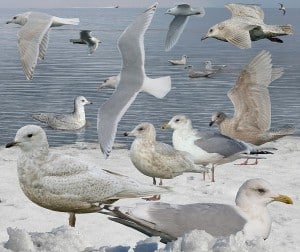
[165, 126]
[128, 134]
[8, 22]
[204, 37]
[211, 123]
[283, 198]
[11, 144]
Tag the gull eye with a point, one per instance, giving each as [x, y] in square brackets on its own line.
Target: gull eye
[83, 100]
[211, 30]
[29, 135]
[261, 190]
[14, 17]
[177, 120]
[140, 129]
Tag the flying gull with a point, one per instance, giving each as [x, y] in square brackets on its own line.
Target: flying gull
[282, 8]
[34, 35]
[133, 80]
[87, 39]
[246, 25]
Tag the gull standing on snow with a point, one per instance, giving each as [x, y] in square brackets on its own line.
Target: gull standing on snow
[252, 106]
[87, 39]
[170, 221]
[34, 35]
[197, 73]
[65, 183]
[282, 8]
[71, 121]
[181, 13]
[246, 25]
[157, 159]
[208, 147]
[182, 61]
[133, 80]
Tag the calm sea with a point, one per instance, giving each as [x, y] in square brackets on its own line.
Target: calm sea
[68, 71]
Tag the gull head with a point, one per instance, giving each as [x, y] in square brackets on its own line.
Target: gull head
[29, 137]
[215, 31]
[143, 130]
[81, 101]
[217, 118]
[255, 193]
[178, 122]
[19, 19]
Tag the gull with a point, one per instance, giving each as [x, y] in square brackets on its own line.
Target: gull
[65, 183]
[133, 80]
[181, 14]
[34, 35]
[157, 159]
[213, 67]
[197, 73]
[87, 39]
[170, 221]
[252, 106]
[282, 8]
[110, 82]
[208, 147]
[182, 61]
[246, 25]
[70, 121]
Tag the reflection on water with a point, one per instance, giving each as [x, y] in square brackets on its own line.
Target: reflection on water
[68, 71]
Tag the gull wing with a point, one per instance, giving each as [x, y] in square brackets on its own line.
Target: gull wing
[176, 27]
[250, 95]
[33, 41]
[131, 46]
[85, 35]
[246, 10]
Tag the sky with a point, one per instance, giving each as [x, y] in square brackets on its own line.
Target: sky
[134, 3]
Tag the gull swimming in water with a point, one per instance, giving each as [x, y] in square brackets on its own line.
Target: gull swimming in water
[66, 184]
[282, 8]
[252, 106]
[197, 73]
[208, 147]
[181, 13]
[34, 35]
[158, 159]
[71, 121]
[213, 67]
[170, 221]
[110, 82]
[87, 39]
[133, 80]
[246, 25]
[182, 61]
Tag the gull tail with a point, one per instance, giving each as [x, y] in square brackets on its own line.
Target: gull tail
[158, 87]
[287, 29]
[42, 117]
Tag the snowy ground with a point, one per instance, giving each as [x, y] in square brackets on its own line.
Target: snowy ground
[28, 227]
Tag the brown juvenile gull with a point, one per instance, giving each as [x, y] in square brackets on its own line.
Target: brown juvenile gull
[87, 39]
[181, 13]
[66, 184]
[181, 61]
[158, 159]
[245, 25]
[69, 121]
[133, 80]
[34, 35]
[170, 221]
[252, 106]
[208, 147]
[197, 73]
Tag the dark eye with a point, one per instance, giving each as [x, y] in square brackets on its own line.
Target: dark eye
[140, 129]
[29, 135]
[14, 17]
[177, 120]
[261, 190]
[211, 30]
[83, 100]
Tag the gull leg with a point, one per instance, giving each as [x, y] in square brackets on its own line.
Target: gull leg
[213, 173]
[246, 162]
[153, 198]
[72, 219]
[160, 182]
[154, 181]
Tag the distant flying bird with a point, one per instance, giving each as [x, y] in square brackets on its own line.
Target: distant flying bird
[133, 80]
[182, 61]
[282, 8]
[87, 39]
[246, 25]
[34, 35]
[176, 27]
